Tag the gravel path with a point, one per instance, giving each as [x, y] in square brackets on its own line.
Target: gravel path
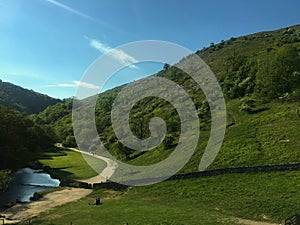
[108, 171]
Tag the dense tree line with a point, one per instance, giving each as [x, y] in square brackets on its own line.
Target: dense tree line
[20, 138]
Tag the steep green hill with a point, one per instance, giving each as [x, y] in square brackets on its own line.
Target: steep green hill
[260, 78]
[24, 100]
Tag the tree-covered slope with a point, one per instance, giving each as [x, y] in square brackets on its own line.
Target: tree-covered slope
[21, 141]
[24, 100]
[20, 137]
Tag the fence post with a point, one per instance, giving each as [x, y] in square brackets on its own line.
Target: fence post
[298, 219]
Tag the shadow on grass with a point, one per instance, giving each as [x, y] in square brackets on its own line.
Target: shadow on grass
[136, 155]
[254, 111]
[59, 173]
[50, 153]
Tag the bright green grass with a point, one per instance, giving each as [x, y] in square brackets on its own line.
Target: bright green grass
[208, 200]
[68, 164]
[131, 211]
[269, 136]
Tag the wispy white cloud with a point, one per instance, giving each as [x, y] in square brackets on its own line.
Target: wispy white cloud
[56, 3]
[86, 85]
[66, 85]
[76, 84]
[61, 85]
[99, 46]
[118, 54]
[76, 12]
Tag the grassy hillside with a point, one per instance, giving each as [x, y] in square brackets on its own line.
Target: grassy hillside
[23, 100]
[222, 56]
[260, 78]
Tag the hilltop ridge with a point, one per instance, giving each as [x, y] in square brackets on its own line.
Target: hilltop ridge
[24, 100]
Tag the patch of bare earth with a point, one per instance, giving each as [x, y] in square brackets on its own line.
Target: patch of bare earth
[25, 211]
[252, 222]
[112, 195]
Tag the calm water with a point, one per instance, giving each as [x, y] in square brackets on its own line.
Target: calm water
[25, 183]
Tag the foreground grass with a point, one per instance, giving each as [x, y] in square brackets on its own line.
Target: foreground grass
[68, 164]
[207, 200]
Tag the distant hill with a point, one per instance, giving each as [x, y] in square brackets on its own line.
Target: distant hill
[24, 100]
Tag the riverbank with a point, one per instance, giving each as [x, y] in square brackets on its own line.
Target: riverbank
[24, 211]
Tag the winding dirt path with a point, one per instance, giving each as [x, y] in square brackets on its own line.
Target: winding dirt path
[108, 171]
[25, 211]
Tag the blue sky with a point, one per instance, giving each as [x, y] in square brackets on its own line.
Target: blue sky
[47, 45]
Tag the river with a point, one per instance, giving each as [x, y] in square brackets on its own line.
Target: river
[25, 183]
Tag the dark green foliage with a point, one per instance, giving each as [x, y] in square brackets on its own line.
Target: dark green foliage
[23, 100]
[168, 142]
[166, 66]
[204, 112]
[271, 75]
[248, 105]
[278, 72]
[20, 139]
[240, 80]
[58, 119]
[4, 178]
[139, 125]
[121, 151]
[70, 141]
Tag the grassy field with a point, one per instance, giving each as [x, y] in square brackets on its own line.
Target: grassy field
[68, 164]
[208, 200]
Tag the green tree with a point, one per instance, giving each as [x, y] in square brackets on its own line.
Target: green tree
[166, 66]
[70, 141]
[122, 152]
[279, 74]
[168, 142]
